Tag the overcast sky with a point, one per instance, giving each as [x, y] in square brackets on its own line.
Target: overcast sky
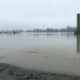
[57, 13]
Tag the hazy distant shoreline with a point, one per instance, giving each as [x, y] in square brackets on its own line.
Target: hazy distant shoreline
[68, 29]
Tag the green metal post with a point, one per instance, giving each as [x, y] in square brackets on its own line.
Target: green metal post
[78, 23]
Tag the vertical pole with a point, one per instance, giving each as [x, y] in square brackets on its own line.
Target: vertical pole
[78, 32]
[78, 23]
[78, 43]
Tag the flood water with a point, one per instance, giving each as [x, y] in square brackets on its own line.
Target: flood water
[52, 52]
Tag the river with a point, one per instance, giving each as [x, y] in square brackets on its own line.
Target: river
[52, 52]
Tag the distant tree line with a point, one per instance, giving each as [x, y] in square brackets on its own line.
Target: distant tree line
[11, 31]
[68, 29]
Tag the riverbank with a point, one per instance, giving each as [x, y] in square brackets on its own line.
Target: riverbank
[10, 72]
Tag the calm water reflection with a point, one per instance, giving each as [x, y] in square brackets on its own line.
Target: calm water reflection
[54, 52]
